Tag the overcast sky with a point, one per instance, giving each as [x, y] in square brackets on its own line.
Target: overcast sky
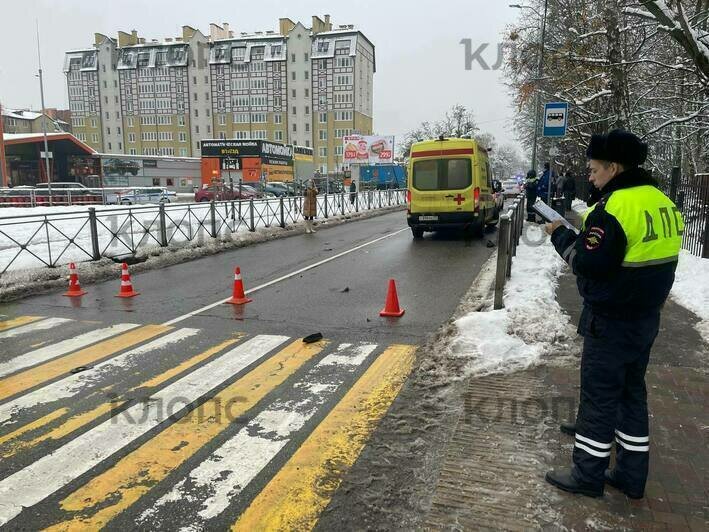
[420, 61]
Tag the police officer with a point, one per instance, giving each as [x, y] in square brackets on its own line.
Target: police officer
[624, 261]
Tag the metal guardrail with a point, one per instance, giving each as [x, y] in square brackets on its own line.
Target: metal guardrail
[35, 240]
[37, 197]
[508, 236]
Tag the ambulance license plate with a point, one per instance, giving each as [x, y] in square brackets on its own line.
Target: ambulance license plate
[428, 218]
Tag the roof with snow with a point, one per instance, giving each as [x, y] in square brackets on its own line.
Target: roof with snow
[21, 114]
[13, 139]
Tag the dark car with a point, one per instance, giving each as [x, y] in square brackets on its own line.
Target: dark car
[224, 193]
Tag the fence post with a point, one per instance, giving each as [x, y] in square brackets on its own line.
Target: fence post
[213, 216]
[252, 228]
[674, 182]
[502, 252]
[93, 228]
[163, 228]
[357, 202]
[283, 219]
[233, 211]
[342, 203]
[325, 204]
[369, 200]
[68, 197]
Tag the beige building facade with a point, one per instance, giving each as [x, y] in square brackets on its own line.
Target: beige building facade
[300, 85]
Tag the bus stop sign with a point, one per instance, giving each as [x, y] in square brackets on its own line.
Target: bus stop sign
[556, 116]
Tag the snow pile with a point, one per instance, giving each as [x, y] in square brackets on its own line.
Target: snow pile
[579, 207]
[691, 288]
[531, 325]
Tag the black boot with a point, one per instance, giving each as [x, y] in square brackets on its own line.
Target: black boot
[568, 428]
[611, 481]
[564, 480]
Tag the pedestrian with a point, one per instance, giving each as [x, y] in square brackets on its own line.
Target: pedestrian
[543, 184]
[353, 191]
[310, 206]
[624, 261]
[569, 190]
[530, 188]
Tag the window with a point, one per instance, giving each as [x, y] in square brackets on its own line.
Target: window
[307, 93]
[323, 118]
[307, 109]
[196, 129]
[259, 134]
[183, 152]
[278, 118]
[196, 113]
[306, 56]
[322, 152]
[94, 138]
[343, 62]
[181, 120]
[76, 122]
[343, 79]
[323, 134]
[307, 74]
[442, 174]
[323, 46]
[278, 135]
[222, 135]
[133, 151]
[129, 121]
[292, 58]
[258, 118]
[338, 150]
[259, 101]
[241, 135]
[241, 118]
[239, 84]
[295, 128]
[307, 143]
[108, 131]
[182, 136]
[292, 75]
[222, 120]
[81, 137]
[258, 66]
[195, 96]
[238, 54]
[343, 116]
[258, 83]
[294, 110]
[292, 92]
[307, 127]
[131, 138]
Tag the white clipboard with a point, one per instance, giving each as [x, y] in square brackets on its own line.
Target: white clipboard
[550, 215]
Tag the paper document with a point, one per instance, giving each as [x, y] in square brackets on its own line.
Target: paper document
[550, 215]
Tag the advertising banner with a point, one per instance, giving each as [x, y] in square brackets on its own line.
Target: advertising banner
[368, 149]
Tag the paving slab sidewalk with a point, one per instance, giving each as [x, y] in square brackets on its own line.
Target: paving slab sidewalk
[507, 437]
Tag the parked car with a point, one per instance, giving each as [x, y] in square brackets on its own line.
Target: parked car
[280, 189]
[224, 193]
[139, 195]
[511, 187]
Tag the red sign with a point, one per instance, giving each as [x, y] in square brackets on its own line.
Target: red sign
[459, 199]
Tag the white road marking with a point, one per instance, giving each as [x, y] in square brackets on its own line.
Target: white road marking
[217, 481]
[283, 278]
[49, 352]
[71, 385]
[40, 479]
[41, 325]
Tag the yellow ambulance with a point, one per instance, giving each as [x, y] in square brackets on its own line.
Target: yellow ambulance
[450, 186]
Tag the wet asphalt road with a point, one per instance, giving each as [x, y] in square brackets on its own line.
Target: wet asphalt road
[73, 451]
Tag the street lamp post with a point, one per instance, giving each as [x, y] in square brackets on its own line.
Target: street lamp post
[540, 72]
[44, 122]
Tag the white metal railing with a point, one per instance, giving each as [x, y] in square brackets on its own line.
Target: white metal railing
[56, 238]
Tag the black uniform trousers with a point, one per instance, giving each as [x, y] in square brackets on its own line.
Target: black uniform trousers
[613, 400]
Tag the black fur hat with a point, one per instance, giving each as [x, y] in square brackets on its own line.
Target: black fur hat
[618, 147]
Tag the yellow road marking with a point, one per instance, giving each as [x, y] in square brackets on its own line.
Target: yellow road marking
[78, 421]
[115, 490]
[69, 426]
[45, 420]
[25, 380]
[170, 373]
[303, 487]
[16, 322]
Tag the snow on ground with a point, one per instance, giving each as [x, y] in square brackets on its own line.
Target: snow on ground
[60, 235]
[691, 288]
[579, 207]
[531, 325]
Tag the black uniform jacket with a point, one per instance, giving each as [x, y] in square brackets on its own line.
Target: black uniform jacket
[608, 288]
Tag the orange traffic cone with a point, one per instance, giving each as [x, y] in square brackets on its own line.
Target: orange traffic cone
[126, 285]
[238, 297]
[391, 308]
[74, 286]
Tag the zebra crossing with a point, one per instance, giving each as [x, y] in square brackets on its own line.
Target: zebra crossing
[127, 426]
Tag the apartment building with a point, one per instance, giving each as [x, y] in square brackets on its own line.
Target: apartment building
[25, 121]
[307, 86]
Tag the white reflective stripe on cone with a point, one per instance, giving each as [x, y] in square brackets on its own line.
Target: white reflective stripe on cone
[593, 452]
[638, 448]
[126, 283]
[594, 442]
[636, 439]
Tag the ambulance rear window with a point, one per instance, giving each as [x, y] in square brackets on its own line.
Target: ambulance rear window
[442, 174]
